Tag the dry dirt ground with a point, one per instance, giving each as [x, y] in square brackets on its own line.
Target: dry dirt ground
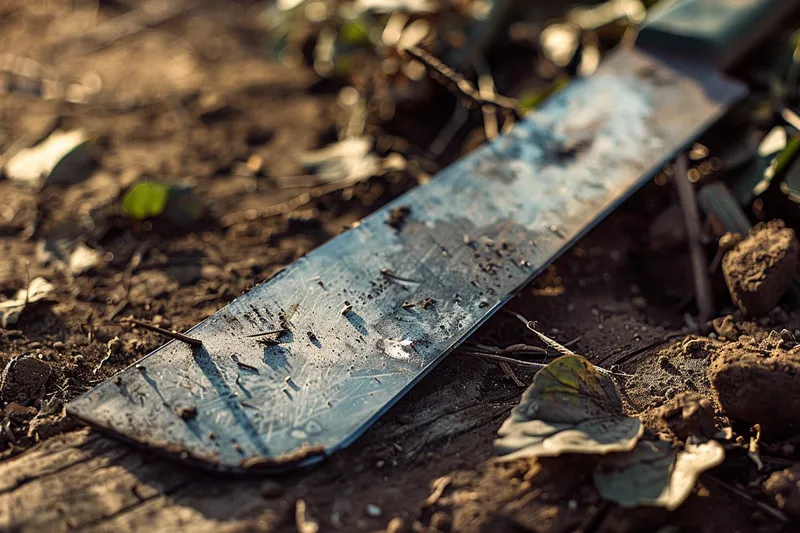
[193, 100]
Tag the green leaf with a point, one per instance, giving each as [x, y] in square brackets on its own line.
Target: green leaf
[569, 408]
[655, 474]
[146, 199]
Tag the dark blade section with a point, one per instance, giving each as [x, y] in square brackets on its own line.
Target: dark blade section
[472, 237]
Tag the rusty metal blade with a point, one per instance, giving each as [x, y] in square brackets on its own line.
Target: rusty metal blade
[475, 235]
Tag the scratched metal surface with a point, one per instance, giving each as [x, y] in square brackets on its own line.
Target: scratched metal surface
[475, 235]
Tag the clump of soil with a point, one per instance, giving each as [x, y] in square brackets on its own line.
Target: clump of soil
[784, 488]
[687, 414]
[759, 382]
[22, 379]
[759, 269]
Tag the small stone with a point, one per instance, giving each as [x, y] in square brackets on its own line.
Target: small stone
[58, 346]
[23, 378]
[639, 303]
[441, 521]
[759, 270]
[374, 511]
[397, 525]
[271, 489]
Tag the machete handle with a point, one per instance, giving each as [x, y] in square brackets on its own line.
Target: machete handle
[716, 31]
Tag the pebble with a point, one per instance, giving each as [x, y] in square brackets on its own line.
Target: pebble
[374, 511]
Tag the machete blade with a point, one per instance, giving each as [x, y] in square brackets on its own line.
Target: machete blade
[474, 236]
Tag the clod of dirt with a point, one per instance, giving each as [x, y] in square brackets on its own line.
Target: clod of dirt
[731, 329]
[784, 488]
[695, 347]
[759, 270]
[22, 379]
[44, 427]
[19, 413]
[398, 216]
[759, 383]
[687, 414]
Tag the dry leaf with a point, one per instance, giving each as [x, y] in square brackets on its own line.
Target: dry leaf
[655, 474]
[61, 159]
[569, 408]
[10, 310]
[348, 160]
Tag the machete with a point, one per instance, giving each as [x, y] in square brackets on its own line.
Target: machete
[346, 347]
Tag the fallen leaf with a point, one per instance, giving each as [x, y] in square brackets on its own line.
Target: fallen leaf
[655, 474]
[84, 259]
[61, 159]
[350, 160]
[145, 199]
[569, 408]
[39, 289]
[149, 199]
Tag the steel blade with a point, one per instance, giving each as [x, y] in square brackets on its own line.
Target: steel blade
[474, 236]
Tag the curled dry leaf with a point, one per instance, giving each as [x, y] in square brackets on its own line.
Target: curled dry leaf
[61, 159]
[10, 310]
[655, 474]
[569, 408]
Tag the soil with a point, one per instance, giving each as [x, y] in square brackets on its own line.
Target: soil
[759, 269]
[742, 371]
[193, 101]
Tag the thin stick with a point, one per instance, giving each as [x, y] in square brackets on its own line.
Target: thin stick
[487, 91]
[775, 513]
[688, 201]
[167, 333]
[457, 83]
[265, 333]
[448, 132]
[560, 348]
[500, 358]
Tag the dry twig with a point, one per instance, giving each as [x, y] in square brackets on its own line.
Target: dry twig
[458, 84]
[167, 333]
[688, 201]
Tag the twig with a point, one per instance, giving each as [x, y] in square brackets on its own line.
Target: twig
[503, 359]
[487, 91]
[775, 513]
[167, 333]
[457, 83]
[509, 372]
[560, 348]
[448, 132]
[265, 333]
[288, 206]
[688, 201]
